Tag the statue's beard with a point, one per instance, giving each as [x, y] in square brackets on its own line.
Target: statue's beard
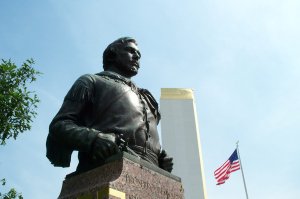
[129, 71]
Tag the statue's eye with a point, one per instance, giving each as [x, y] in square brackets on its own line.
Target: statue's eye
[133, 51]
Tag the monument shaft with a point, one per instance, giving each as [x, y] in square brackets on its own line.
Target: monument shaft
[180, 136]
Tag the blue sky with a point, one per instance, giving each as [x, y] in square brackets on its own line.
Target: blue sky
[240, 57]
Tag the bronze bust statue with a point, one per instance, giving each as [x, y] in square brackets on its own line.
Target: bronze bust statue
[105, 113]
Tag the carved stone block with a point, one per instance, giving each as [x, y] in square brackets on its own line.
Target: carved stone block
[123, 177]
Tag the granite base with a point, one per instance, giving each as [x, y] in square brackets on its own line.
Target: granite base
[123, 177]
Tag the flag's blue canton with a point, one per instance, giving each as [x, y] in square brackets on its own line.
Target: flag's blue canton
[234, 156]
[231, 165]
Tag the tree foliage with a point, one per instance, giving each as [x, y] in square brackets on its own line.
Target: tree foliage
[17, 103]
[11, 194]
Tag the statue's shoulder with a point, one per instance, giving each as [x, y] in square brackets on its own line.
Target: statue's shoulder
[108, 78]
[86, 79]
[97, 78]
[82, 89]
[89, 80]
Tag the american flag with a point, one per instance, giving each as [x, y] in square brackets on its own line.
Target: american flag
[231, 165]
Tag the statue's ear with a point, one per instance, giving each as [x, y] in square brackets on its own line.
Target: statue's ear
[112, 54]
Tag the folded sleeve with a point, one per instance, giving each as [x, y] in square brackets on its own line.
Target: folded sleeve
[67, 131]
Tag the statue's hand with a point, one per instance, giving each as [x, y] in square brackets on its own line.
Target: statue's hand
[165, 162]
[104, 146]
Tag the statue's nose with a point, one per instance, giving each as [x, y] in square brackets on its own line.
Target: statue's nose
[136, 56]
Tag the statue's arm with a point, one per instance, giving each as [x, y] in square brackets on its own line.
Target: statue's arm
[66, 131]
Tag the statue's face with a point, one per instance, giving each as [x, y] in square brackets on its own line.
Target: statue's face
[127, 59]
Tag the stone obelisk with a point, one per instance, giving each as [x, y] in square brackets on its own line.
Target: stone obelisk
[181, 138]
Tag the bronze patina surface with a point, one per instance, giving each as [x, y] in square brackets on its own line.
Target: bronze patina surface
[106, 113]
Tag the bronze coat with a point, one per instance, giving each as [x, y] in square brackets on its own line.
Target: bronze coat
[107, 103]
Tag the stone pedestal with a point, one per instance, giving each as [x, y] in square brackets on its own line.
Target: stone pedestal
[123, 177]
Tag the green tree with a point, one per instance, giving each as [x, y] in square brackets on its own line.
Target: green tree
[17, 103]
[11, 194]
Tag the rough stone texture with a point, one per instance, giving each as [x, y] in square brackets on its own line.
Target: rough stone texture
[123, 173]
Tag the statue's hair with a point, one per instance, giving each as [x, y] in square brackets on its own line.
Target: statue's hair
[109, 53]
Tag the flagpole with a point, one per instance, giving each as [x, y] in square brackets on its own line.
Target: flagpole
[237, 148]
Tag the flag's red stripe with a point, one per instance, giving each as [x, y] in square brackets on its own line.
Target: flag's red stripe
[221, 169]
[223, 172]
[221, 175]
[223, 165]
[231, 168]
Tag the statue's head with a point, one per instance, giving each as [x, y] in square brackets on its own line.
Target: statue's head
[122, 56]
